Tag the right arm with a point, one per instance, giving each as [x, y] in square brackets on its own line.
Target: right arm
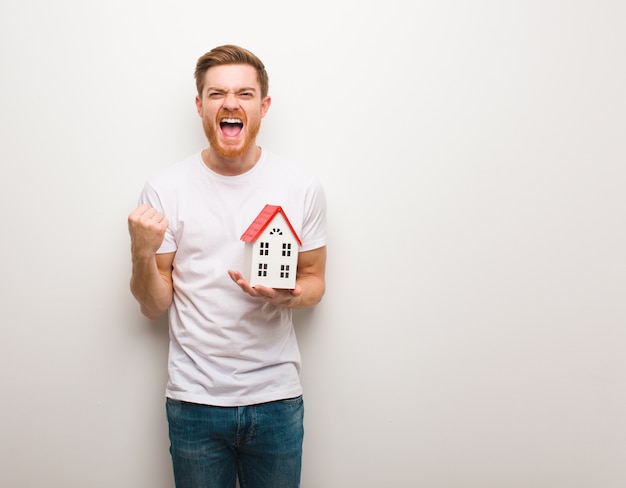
[151, 280]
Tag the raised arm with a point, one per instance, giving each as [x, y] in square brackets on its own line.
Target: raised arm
[151, 280]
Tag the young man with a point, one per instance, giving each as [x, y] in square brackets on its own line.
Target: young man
[233, 398]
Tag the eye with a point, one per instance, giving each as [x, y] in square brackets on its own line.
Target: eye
[215, 95]
[246, 95]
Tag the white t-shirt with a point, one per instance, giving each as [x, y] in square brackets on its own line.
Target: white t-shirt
[227, 348]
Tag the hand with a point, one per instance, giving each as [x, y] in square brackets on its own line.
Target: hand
[280, 298]
[147, 227]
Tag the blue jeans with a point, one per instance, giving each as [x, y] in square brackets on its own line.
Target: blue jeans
[260, 444]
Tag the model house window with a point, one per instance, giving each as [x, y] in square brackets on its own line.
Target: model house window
[286, 249]
[262, 269]
[276, 231]
[264, 250]
[284, 271]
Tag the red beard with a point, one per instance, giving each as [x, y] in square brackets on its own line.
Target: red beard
[231, 151]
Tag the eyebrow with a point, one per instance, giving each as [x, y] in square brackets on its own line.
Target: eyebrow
[238, 90]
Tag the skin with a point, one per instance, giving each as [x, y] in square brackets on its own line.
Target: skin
[232, 92]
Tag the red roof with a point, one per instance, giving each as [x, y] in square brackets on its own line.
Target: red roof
[262, 221]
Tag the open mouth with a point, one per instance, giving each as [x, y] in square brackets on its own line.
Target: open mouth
[231, 126]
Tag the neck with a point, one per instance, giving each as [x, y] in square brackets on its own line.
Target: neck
[231, 167]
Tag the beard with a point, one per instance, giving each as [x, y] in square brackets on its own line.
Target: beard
[231, 151]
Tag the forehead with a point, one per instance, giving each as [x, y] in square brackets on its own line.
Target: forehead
[231, 77]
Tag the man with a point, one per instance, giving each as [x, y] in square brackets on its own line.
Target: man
[233, 398]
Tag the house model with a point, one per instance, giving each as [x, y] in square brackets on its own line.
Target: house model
[271, 252]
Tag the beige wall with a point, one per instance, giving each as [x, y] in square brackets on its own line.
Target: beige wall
[473, 154]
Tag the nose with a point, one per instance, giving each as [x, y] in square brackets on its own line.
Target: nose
[230, 101]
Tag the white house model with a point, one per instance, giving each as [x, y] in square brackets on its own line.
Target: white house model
[271, 252]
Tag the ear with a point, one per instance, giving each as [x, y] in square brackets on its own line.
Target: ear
[265, 105]
[199, 105]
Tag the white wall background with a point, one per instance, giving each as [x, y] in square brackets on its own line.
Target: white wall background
[473, 155]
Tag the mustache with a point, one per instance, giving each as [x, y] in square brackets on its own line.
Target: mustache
[237, 114]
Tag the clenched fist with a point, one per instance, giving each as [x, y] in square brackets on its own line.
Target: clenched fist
[147, 227]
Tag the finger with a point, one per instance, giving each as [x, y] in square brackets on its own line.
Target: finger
[238, 278]
[150, 213]
[138, 212]
[235, 275]
[271, 294]
[142, 213]
[296, 292]
[152, 217]
[265, 291]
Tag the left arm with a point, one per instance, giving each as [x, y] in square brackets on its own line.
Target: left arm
[310, 283]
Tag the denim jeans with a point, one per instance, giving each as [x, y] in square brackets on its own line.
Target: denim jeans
[260, 444]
